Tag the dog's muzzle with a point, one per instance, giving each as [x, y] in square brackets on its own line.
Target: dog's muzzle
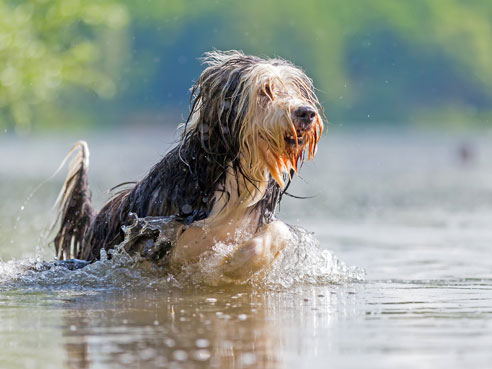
[303, 118]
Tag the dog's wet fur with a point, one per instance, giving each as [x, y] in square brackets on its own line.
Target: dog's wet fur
[190, 178]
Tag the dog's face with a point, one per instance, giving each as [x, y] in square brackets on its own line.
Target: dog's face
[285, 121]
[261, 113]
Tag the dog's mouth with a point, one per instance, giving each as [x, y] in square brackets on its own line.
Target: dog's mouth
[292, 140]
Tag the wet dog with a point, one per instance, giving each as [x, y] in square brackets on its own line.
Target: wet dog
[253, 121]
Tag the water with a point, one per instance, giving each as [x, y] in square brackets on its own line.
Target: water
[405, 207]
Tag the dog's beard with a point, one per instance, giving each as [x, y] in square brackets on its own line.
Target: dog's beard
[281, 150]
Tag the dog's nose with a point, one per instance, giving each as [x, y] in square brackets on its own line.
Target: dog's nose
[305, 115]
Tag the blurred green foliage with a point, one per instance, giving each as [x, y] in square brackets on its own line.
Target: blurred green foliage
[373, 61]
[46, 46]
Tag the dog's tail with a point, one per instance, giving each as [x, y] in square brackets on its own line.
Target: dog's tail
[75, 211]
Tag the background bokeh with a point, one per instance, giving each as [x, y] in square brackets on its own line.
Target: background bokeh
[93, 64]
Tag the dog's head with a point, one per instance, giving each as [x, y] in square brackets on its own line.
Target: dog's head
[255, 114]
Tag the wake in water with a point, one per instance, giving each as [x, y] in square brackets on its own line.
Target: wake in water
[302, 262]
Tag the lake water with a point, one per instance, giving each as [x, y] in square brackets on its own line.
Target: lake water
[413, 210]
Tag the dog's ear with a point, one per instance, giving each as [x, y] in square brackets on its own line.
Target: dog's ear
[220, 102]
[222, 86]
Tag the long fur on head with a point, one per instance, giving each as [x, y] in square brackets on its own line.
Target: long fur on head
[242, 112]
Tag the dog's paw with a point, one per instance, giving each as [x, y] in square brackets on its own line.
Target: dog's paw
[257, 253]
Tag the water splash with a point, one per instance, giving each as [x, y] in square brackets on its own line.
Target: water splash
[302, 262]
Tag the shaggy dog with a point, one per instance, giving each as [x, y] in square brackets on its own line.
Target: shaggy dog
[253, 121]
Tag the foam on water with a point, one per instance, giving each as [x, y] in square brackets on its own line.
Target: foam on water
[302, 262]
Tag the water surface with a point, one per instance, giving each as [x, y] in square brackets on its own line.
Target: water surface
[405, 207]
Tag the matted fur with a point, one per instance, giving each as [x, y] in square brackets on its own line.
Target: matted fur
[241, 115]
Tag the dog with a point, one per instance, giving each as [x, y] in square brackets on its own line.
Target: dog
[253, 121]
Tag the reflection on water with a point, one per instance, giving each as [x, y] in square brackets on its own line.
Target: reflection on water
[221, 328]
[387, 322]
[402, 207]
[217, 329]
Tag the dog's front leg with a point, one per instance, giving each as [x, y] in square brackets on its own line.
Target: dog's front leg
[258, 252]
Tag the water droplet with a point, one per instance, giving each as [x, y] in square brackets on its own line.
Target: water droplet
[201, 355]
[210, 299]
[169, 342]
[22, 207]
[202, 343]
[156, 322]
[242, 317]
[186, 209]
[248, 358]
[180, 355]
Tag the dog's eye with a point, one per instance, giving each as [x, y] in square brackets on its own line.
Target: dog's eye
[267, 91]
